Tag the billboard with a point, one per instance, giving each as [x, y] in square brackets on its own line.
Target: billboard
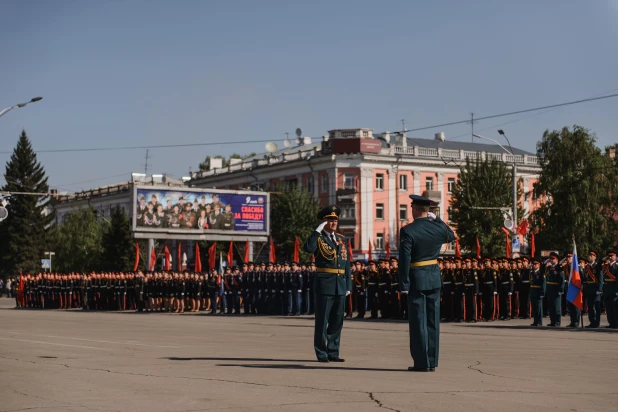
[200, 211]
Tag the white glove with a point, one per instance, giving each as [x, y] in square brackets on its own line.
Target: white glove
[495, 293]
[319, 228]
[299, 291]
[376, 295]
[347, 293]
[510, 293]
[431, 216]
[404, 292]
[598, 293]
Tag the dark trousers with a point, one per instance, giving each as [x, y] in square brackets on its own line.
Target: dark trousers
[555, 312]
[385, 304]
[515, 305]
[306, 301]
[359, 296]
[524, 301]
[505, 304]
[395, 304]
[294, 302]
[247, 301]
[470, 302]
[373, 302]
[537, 310]
[574, 314]
[328, 325]
[609, 299]
[424, 322]
[488, 303]
[447, 304]
[594, 309]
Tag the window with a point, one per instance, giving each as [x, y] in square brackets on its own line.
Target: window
[451, 184]
[403, 212]
[348, 212]
[403, 182]
[324, 183]
[379, 181]
[380, 241]
[291, 184]
[348, 133]
[380, 211]
[365, 133]
[310, 184]
[348, 181]
[429, 183]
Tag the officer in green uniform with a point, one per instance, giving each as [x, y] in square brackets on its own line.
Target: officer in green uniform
[332, 283]
[537, 291]
[419, 277]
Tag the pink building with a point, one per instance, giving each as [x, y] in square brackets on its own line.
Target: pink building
[369, 176]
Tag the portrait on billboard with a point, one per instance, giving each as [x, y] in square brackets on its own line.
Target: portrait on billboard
[199, 211]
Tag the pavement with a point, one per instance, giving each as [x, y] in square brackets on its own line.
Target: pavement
[52, 360]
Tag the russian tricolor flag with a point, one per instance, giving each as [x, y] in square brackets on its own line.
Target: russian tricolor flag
[574, 293]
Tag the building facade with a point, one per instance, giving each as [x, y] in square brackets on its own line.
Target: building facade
[370, 177]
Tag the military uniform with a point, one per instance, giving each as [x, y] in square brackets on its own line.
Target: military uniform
[419, 276]
[360, 294]
[555, 288]
[332, 283]
[489, 286]
[593, 288]
[610, 274]
[537, 291]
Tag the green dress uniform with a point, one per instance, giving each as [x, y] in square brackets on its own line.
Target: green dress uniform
[419, 276]
[537, 291]
[593, 288]
[332, 282]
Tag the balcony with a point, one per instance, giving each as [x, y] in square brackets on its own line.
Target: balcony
[346, 195]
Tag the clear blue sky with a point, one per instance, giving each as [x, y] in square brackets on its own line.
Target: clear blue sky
[117, 73]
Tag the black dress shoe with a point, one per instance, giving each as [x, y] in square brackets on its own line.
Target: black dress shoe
[323, 360]
[535, 324]
[336, 359]
[415, 369]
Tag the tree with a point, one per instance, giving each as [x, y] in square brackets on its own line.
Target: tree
[293, 213]
[25, 233]
[118, 247]
[577, 182]
[79, 244]
[487, 183]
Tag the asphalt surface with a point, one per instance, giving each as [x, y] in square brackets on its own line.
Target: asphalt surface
[74, 361]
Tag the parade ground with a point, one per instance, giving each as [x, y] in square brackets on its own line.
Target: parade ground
[53, 360]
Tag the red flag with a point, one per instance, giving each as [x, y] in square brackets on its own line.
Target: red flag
[478, 248]
[230, 254]
[508, 242]
[388, 250]
[179, 257]
[168, 258]
[350, 258]
[153, 259]
[246, 251]
[272, 256]
[136, 257]
[370, 251]
[296, 257]
[198, 258]
[532, 245]
[522, 229]
[212, 255]
[457, 249]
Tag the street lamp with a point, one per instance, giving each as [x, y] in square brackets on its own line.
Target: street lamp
[35, 99]
[50, 254]
[514, 235]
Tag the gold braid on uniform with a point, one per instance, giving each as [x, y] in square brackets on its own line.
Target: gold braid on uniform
[326, 251]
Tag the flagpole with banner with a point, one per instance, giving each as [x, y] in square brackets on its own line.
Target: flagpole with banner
[574, 292]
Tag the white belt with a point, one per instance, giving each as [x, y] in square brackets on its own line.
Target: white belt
[488, 283]
[525, 281]
[446, 283]
[505, 283]
[381, 284]
[469, 284]
[459, 283]
[371, 283]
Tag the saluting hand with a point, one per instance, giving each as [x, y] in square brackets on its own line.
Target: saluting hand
[431, 216]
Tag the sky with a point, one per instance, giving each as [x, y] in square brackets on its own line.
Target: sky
[138, 73]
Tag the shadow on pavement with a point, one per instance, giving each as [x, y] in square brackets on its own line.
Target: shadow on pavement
[239, 359]
[306, 367]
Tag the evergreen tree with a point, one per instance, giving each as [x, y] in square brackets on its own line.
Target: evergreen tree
[487, 183]
[118, 247]
[576, 182]
[293, 213]
[80, 241]
[24, 234]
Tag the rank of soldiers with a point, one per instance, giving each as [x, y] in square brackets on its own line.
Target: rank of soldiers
[473, 290]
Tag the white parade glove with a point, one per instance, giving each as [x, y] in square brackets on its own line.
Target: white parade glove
[560, 293]
[431, 216]
[598, 293]
[495, 293]
[319, 228]
[299, 291]
[463, 294]
[376, 295]
[511, 293]
[347, 293]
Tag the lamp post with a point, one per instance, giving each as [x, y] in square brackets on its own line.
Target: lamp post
[35, 99]
[514, 171]
[50, 254]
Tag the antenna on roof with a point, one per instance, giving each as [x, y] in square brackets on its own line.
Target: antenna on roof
[287, 142]
[271, 147]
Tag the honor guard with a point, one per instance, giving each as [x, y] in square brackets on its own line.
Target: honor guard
[554, 289]
[593, 289]
[537, 291]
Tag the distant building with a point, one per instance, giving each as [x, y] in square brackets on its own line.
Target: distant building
[369, 176]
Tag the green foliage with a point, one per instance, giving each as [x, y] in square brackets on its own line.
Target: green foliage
[79, 243]
[25, 233]
[118, 247]
[293, 212]
[486, 183]
[578, 181]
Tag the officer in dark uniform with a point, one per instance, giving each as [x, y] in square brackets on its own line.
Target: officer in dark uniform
[448, 291]
[419, 277]
[311, 283]
[610, 288]
[332, 283]
[395, 294]
[373, 278]
[384, 286]
[471, 289]
[524, 290]
[537, 291]
[489, 285]
[555, 287]
[505, 289]
[593, 288]
[360, 287]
